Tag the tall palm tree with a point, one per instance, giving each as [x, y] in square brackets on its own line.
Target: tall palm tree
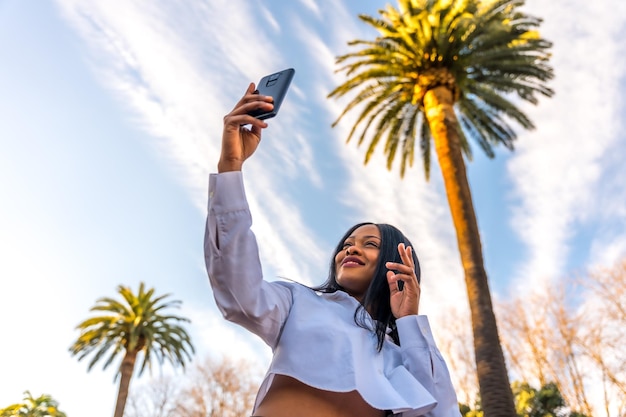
[42, 406]
[449, 70]
[135, 325]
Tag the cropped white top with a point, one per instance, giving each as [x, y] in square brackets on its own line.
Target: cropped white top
[313, 336]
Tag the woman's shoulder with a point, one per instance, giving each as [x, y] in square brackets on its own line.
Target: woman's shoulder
[294, 286]
[298, 289]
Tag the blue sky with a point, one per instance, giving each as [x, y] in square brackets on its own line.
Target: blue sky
[111, 121]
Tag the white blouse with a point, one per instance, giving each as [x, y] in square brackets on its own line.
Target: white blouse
[313, 336]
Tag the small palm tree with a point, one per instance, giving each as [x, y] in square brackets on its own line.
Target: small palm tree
[136, 325]
[446, 71]
[42, 406]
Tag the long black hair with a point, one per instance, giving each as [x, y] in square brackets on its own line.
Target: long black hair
[376, 299]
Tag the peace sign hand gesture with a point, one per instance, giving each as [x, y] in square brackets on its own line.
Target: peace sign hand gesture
[403, 286]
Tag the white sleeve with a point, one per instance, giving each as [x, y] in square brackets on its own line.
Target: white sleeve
[232, 260]
[422, 358]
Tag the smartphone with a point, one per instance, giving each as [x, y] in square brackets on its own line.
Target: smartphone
[275, 85]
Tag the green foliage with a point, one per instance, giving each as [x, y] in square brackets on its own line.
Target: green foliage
[476, 411]
[530, 402]
[42, 406]
[483, 52]
[533, 403]
[136, 324]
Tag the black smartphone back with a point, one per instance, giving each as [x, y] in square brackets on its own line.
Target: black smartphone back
[275, 85]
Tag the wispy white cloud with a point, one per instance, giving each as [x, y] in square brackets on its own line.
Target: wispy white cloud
[609, 248]
[312, 6]
[269, 17]
[180, 71]
[557, 169]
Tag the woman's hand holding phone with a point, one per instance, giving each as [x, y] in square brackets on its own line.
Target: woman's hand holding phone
[239, 142]
[243, 125]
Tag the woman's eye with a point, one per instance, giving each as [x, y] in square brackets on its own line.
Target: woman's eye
[345, 245]
[374, 244]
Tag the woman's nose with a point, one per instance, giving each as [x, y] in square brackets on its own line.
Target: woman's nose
[351, 249]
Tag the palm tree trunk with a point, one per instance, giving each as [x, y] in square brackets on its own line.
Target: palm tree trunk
[126, 370]
[493, 381]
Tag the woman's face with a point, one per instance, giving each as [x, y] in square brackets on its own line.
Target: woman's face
[356, 263]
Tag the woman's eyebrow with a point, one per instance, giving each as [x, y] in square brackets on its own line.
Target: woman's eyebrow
[364, 237]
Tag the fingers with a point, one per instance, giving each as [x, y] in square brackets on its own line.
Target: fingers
[407, 266]
[398, 279]
[404, 288]
[250, 101]
[406, 254]
[395, 281]
[402, 273]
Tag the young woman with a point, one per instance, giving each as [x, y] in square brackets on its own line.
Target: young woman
[353, 347]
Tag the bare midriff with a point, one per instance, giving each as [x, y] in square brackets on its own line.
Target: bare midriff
[288, 397]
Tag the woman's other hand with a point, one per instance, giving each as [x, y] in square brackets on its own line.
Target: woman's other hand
[404, 295]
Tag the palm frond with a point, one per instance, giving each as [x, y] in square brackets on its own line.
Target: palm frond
[484, 52]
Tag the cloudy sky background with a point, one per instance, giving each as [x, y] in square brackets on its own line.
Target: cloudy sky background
[110, 121]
